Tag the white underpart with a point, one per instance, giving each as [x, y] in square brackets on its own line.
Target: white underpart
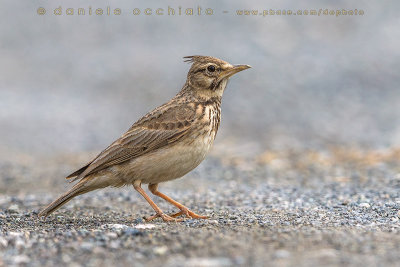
[166, 163]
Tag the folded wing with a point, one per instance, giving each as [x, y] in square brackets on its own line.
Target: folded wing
[157, 129]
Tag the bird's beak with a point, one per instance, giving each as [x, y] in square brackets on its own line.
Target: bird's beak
[232, 70]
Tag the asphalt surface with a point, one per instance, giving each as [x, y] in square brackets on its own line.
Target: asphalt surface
[329, 207]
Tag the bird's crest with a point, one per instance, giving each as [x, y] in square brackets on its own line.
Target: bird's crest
[202, 59]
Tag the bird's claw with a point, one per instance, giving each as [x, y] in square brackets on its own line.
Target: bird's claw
[165, 217]
[189, 214]
[172, 217]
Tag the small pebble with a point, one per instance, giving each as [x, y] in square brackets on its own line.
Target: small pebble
[365, 205]
[160, 250]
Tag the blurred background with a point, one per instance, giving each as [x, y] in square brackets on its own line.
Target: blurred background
[72, 84]
[305, 170]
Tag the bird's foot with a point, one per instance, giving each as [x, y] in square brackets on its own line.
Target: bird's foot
[172, 217]
[188, 213]
[165, 217]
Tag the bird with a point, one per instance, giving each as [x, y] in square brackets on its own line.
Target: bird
[165, 144]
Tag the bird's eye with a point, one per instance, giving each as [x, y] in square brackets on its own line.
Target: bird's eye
[211, 68]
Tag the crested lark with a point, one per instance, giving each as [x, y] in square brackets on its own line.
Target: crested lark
[165, 144]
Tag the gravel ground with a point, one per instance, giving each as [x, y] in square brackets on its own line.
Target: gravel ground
[72, 84]
[328, 207]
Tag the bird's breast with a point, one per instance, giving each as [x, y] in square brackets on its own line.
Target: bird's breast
[178, 158]
[175, 160]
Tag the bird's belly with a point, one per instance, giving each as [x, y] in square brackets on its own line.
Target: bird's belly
[167, 163]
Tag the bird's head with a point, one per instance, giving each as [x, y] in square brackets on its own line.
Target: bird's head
[208, 76]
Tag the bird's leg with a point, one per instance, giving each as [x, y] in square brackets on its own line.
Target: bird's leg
[165, 217]
[184, 210]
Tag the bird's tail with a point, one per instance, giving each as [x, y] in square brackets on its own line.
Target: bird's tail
[80, 188]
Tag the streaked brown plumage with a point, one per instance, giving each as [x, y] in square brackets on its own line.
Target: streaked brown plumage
[165, 144]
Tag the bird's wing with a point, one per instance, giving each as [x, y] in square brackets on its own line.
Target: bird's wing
[164, 125]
